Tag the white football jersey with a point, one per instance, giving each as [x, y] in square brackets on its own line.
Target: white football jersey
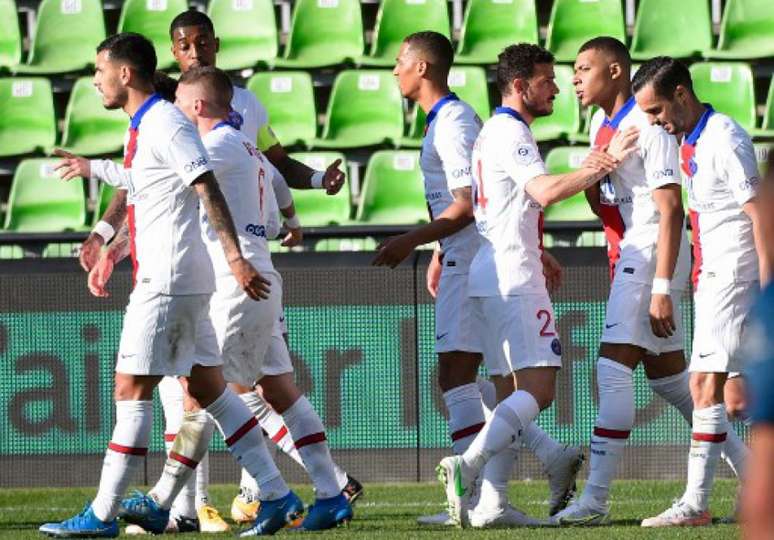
[509, 220]
[164, 155]
[452, 128]
[629, 214]
[242, 175]
[721, 176]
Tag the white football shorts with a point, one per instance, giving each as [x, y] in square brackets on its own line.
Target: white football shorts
[455, 325]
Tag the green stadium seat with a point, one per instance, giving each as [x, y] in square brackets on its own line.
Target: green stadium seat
[104, 197]
[323, 33]
[573, 22]
[561, 160]
[767, 128]
[729, 87]
[296, 124]
[491, 25]
[346, 244]
[27, 121]
[10, 36]
[469, 83]
[662, 30]
[393, 190]
[397, 19]
[313, 206]
[746, 31]
[247, 30]
[40, 202]
[565, 120]
[66, 36]
[151, 18]
[365, 108]
[582, 135]
[62, 250]
[89, 128]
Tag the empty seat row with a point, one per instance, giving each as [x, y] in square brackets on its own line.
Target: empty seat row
[330, 32]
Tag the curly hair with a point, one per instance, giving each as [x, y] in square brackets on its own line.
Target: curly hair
[518, 62]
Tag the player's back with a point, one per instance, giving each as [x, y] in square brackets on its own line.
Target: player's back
[243, 177]
[445, 162]
[509, 220]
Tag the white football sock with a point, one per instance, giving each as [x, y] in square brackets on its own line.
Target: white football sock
[245, 442]
[249, 487]
[191, 443]
[488, 396]
[125, 454]
[308, 434]
[710, 426]
[611, 431]
[497, 472]
[466, 415]
[502, 430]
[540, 443]
[202, 479]
[272, 424]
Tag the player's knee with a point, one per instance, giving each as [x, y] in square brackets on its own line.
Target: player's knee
[735, 398]
[616, 395]
[130, 389]
[544, 398]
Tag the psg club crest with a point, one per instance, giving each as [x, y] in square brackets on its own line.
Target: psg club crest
[556, 346]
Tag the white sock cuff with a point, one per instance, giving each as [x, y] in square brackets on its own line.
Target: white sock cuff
[711, 420]
[666, 384]
[133, 424]
[302, 407]
[488, 393]
[523, 405]
[612, 364]
[252, 400]
[219, 405]
[459, 394]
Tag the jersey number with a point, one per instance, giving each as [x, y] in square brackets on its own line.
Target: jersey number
[545, 332]
[481, 199]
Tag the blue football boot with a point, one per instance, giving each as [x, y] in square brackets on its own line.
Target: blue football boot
[84, 525]
[274, 515]
[327, 514]
[142, 510]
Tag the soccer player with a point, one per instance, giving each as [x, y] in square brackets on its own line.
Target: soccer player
[640, 205]
[422, 69]
[510, 302]
[167, 330]
[718, 161]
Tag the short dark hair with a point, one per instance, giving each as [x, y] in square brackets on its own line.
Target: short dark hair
[216, 81]
[165, 85]
[191, 17]
[611, 46]
[518, 62]
[134, 49]
[435, 45]
[665, 74]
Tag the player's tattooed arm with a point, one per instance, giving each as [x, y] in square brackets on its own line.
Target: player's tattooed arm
[120, 247]
[219, 216]
[102, 269]
[114, 216]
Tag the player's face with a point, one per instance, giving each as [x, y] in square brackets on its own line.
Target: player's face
[407, 72]
[185, 100]
[540, 91]
[592, 77]
[194, 46]
[660, 110]
[110, 79]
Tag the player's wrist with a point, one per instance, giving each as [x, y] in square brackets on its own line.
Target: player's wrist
[103, 231]
[661, 286]
[316, 179]
[293, 222]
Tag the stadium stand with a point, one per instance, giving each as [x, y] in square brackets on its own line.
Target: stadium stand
[661, 30]
[324, 33]
[27, 121]
[767, 126]
[293, 125]
[106, 193]
[89, 128]
[39, 201]
[365, 109]
[729, 87]
[65, 37]
[393, 190]
[747, 30]
[10, 37]
[247, 30]
[151, 18]
[573, 22]
[397, 19]
[491, 25]
[317, 208]
[560, 160]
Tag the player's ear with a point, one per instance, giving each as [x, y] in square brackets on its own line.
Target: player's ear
[125, 74]
[422, 67]
[615, 70]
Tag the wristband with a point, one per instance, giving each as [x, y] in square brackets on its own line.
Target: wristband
[105, 230]
[661, 286]
[292, 222]
[317, 179]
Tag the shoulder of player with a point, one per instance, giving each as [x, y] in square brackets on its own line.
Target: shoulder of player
[224, 139]
[726, 131]
[244, 98]
[164, 120]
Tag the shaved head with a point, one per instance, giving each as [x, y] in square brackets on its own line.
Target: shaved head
[433, 48]
[613, 49]
[213, 85]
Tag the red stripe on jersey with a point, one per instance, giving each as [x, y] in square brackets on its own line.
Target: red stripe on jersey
[238, 434]
[466, 432]
[121, 449]
[277, 437]
[132, 244]
[170, 437]
[709, 437]
[314, 438]
[696, 239]
[615, 228]
[188, 462]
[541, 220]
[611, 433]
[131, 148]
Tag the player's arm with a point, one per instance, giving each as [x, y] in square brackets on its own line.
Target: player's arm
[753, 210]
[285, 204]
[102, 269]
[592, 197]
[298, 175]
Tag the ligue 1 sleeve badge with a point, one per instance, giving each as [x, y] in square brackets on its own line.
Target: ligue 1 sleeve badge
[556, 346]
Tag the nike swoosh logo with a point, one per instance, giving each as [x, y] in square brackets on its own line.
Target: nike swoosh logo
[705, 355]
[609, 326]
[440, 337]
[458, 487]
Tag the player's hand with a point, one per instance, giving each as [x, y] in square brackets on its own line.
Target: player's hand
[600, 161]
[99, 275]
[333, 179]
[90, 250]
[623, 143]
[254, 284]
[662, 315]
[71, 166]
[552, 271]
[393, 251]
[434, 273]
[293, 238]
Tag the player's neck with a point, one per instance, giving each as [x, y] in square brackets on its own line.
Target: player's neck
[430, 94]
[616, 102]
[695, 112]
[514, 102]
[205, 125]
[136, 97]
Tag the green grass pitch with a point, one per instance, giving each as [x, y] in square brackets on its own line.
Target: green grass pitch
[390, 510]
